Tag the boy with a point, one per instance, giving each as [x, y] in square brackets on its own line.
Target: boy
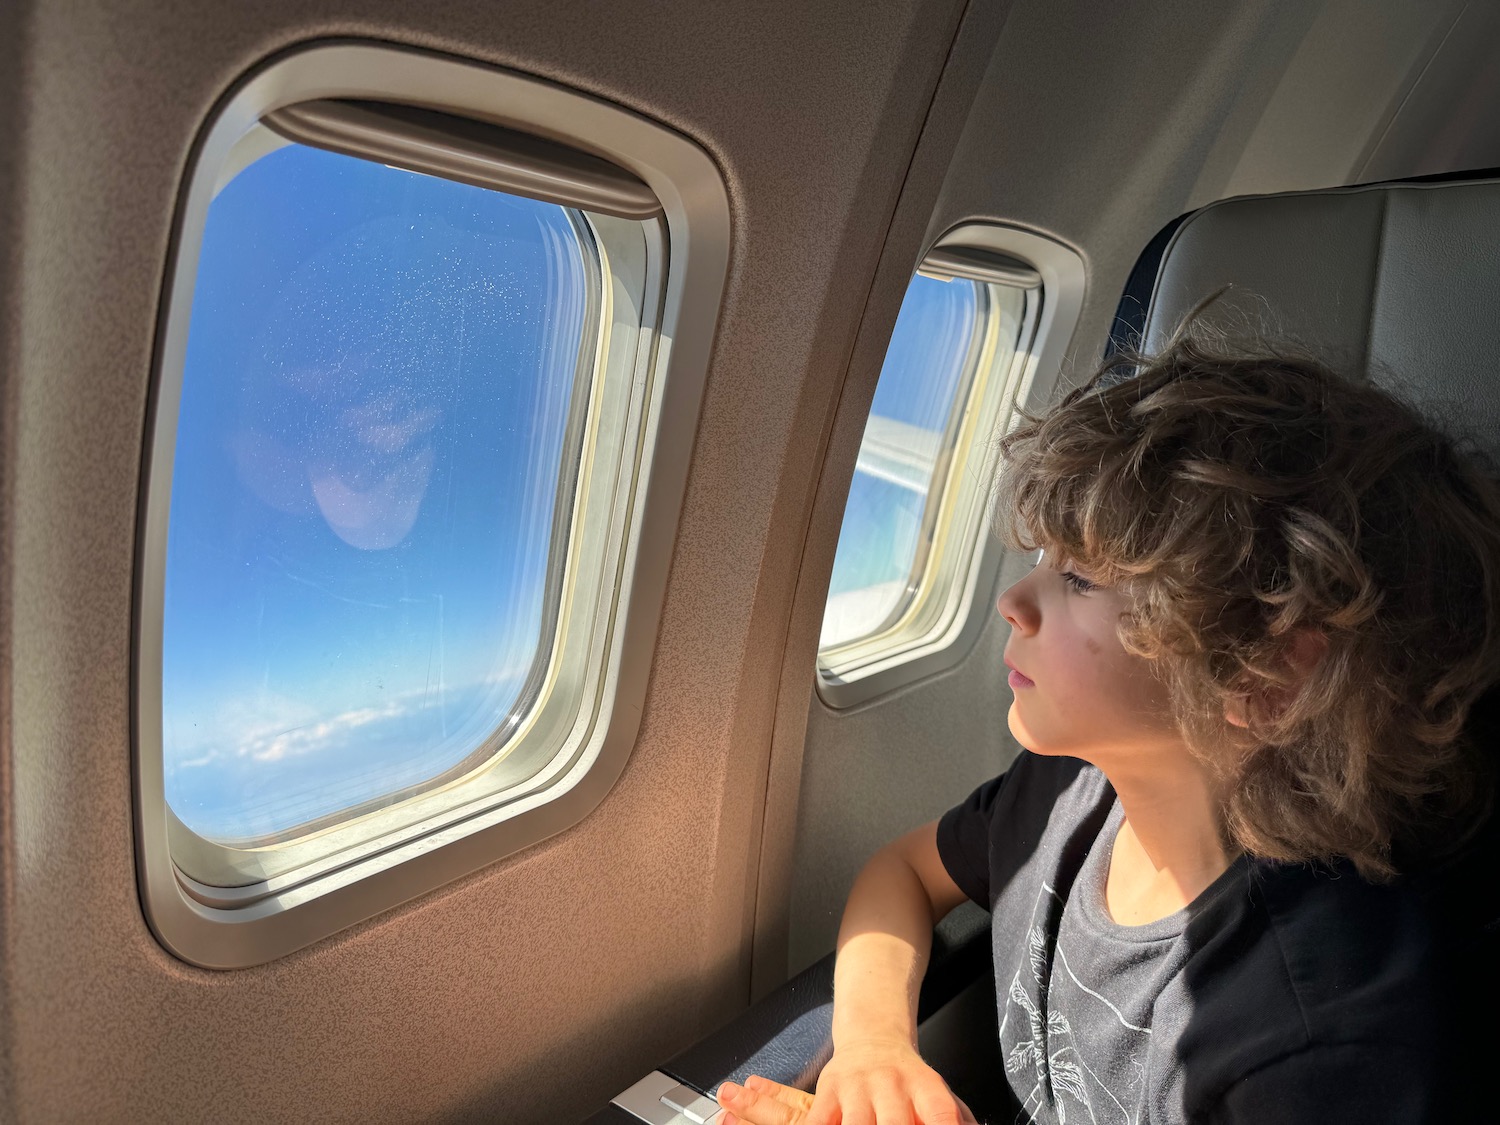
[1266, 601]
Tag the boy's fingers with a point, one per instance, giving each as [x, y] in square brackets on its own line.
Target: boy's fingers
[789, 1096]
[946, 1108]
[755, 1107]
[825, 1110]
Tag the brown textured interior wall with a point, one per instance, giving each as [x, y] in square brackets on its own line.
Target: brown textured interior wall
[537, 988]
[12, 84]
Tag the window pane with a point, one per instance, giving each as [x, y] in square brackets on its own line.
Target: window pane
[898, 457]
[377, 391]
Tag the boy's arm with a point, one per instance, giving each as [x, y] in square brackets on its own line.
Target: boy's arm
[875, 1073]
[886, 938]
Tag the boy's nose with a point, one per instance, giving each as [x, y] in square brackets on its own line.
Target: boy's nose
[1018, 607]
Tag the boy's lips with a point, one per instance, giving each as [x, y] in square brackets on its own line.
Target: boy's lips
[1018, 678]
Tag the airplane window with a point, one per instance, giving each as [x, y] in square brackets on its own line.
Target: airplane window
[397, 492]
[428, 371]
[915, 508]
[380, 380]
[898, 456]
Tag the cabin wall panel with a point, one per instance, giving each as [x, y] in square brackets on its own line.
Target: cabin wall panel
[850, 791]
[13, 72]
[875, 772]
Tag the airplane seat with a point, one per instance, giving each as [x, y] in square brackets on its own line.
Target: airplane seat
[1387, 281]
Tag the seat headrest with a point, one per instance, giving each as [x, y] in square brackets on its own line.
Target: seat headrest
[1398, 283]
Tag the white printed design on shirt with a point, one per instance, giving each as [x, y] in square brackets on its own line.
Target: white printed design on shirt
[1041, 1044]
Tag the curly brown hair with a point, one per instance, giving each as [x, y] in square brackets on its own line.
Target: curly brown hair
[1243, 495]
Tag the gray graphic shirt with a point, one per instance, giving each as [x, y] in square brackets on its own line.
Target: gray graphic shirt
[1282, 993]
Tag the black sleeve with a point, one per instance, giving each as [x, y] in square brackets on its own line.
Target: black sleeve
[1371, 1083]
[993, 833]
[963, 841]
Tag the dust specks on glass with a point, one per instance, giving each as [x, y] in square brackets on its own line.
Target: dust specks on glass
[379, 375]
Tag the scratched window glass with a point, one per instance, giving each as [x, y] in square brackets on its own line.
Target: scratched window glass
[380, 374]
[901, 458]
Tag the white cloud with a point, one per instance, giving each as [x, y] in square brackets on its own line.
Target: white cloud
[266, 727]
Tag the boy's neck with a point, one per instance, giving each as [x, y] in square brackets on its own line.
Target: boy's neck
[1169, 848]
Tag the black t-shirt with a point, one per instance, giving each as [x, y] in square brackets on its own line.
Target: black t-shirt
[1283, 993]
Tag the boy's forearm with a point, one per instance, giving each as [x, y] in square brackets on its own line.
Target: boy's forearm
[884, 943]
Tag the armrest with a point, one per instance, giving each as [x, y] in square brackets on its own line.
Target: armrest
[788, 1035]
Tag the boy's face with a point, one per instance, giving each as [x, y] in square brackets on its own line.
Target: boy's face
[1086, 696]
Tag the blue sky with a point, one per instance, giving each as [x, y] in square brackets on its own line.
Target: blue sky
[922, 366]
[378, 375]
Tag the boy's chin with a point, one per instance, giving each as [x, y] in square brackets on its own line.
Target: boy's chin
[1038, 744]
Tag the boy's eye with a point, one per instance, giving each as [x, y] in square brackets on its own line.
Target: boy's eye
[1082, 585]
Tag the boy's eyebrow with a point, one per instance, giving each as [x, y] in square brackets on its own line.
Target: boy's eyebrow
[1062, 563]
[1058, 560]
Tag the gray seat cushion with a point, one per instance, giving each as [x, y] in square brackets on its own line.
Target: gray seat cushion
[1398, 282]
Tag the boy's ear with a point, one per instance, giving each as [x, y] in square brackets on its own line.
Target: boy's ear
[1304, 651]
[1234, 712]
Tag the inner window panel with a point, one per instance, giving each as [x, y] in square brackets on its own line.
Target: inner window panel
[898, 470]
[373, 454]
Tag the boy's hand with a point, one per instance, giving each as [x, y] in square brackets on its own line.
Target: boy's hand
[865, 1083]
[763, 1102]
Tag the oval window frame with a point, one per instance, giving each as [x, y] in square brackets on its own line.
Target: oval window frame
[234, 927]
[889, 660]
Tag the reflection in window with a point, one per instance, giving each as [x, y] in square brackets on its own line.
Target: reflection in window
[374, 430]
[898, 457]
